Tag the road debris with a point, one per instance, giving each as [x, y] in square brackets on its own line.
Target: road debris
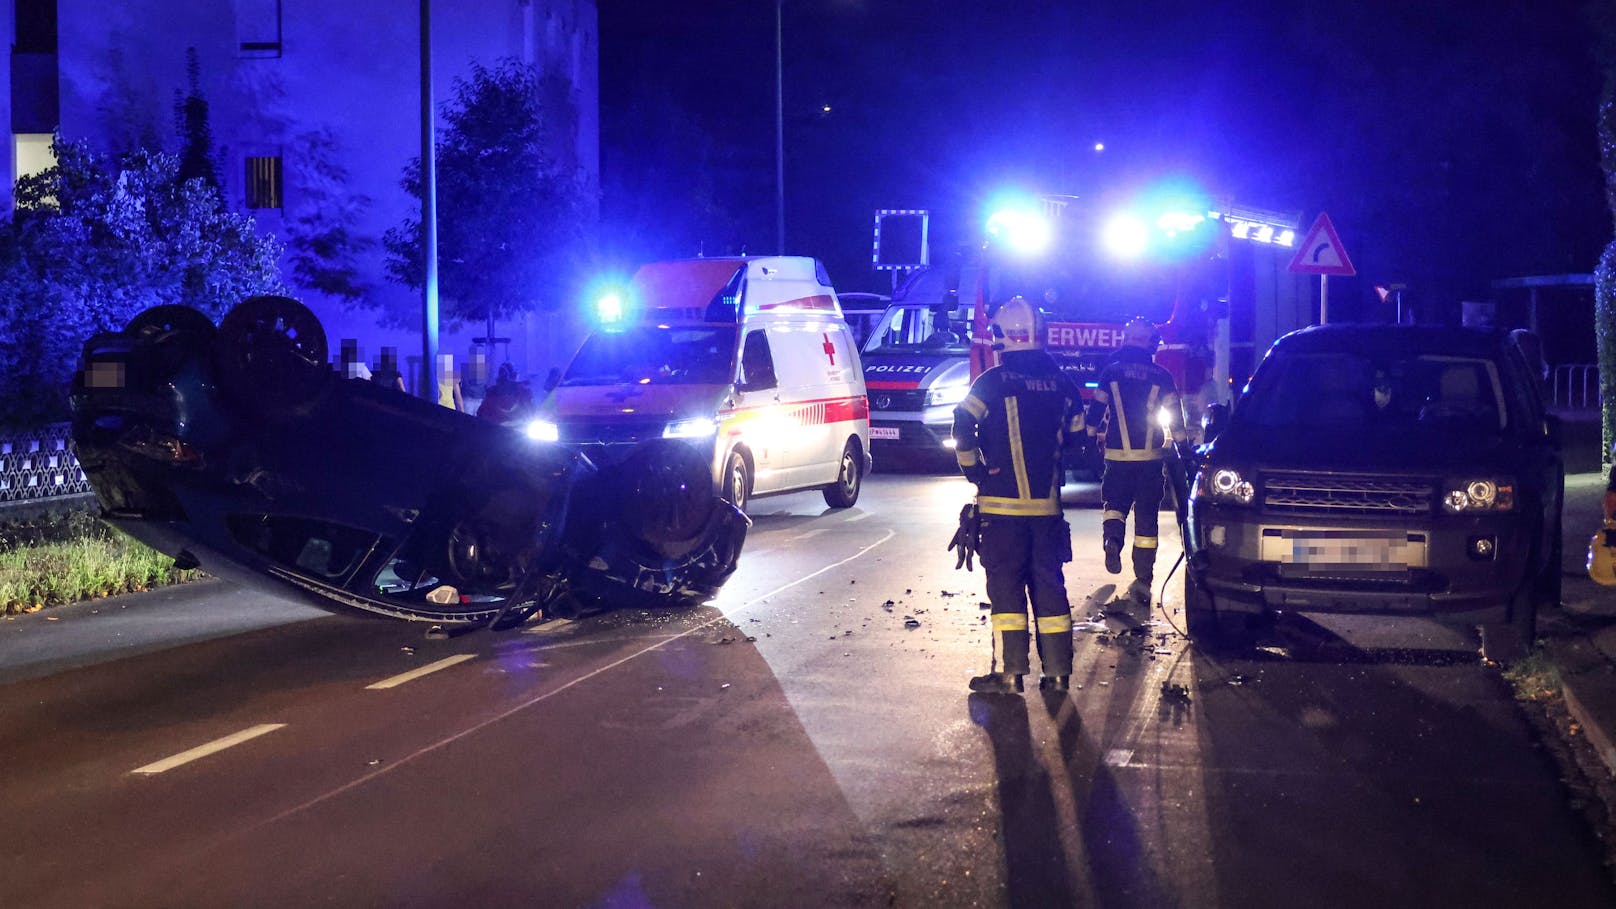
[910, 621]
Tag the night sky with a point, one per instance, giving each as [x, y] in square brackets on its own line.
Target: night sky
[1450, 148]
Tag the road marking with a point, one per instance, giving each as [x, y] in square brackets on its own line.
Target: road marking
[551, 625]
[202, 751]
[805, 535]
[724, 617]
[858, 517]
[413, 674]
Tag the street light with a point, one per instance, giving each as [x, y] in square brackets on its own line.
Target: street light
[779, 129]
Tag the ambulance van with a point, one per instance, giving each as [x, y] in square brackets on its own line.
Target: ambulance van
[747, 357]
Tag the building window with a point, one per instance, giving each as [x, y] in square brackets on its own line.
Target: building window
[258, 27]
[264, 182]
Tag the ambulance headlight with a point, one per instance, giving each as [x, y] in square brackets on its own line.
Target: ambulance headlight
[951, 393]
[694, 428]
[543, 431]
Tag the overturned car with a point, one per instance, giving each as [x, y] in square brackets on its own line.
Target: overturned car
[236, 448]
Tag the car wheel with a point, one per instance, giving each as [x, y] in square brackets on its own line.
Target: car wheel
[1505, 643]
[271, 352]
[1200, 617]
[170, 317]
[671, 492]
[737, 486]
[849, 479]
[1212, 630]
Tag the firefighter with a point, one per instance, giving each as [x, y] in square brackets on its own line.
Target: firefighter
[1136, 410]
[1008, 434]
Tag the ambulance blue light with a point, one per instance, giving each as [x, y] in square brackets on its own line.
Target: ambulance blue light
[609, 310]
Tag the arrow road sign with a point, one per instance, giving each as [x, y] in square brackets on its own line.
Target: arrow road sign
[1321, 252]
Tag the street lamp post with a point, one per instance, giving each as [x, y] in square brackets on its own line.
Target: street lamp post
[779, 128]
[429, 214]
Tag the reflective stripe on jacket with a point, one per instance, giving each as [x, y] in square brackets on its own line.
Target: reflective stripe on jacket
[1132, 394]
[1010, 430]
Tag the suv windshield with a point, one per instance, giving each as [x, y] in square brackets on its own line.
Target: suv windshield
[1353, 390]
[915, 329]
[655, 355]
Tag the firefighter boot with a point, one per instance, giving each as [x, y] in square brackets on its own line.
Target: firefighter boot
[1059, 683]
[1113, 556]
[997, 683]
[1139, 591]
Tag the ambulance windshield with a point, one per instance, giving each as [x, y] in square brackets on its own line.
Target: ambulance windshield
[921, 329]
[655, 355]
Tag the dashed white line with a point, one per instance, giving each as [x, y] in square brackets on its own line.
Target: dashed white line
[413, 674]
[202, 751]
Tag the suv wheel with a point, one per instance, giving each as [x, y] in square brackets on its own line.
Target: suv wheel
[1506, 642]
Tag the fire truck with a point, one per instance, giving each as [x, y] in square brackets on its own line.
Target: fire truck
[1212, 276]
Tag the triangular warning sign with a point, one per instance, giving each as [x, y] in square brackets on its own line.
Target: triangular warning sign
[1321, 252]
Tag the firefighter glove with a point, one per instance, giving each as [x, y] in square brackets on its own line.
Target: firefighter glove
[968, 538]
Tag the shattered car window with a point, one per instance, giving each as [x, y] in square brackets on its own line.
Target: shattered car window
[1347, 390]
[655, 355]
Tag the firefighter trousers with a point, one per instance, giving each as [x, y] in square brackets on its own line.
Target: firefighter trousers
[1022, 558]
[1137, 486]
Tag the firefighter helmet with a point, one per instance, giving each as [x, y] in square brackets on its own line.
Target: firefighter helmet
[1018, 325]
[1602, 556]
[1141, 332]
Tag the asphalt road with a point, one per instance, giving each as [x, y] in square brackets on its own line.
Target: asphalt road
[806, 740]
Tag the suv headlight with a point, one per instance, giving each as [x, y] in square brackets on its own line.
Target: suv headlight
[543, 431]
[952, 393]
[693, 428]
[1225, 484]
[1479, 494]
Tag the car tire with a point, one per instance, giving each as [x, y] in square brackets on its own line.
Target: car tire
[736, 487]
[1507, 642]
[1200, 616]
[1212, 630]
[168, 318]
[668, 484]
[271, 354]
[849, 478]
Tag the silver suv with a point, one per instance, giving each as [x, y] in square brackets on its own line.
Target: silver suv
[1396, 470]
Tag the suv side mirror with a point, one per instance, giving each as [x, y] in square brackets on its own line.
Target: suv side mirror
[1213, 421]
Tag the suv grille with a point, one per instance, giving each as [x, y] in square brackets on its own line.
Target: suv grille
[1301, 493]
[611, 431]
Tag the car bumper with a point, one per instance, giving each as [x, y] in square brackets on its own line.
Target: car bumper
[1251, 563]
[913, 431]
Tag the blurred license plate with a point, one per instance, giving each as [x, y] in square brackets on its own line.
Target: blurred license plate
[1391, 550]
[883, 432]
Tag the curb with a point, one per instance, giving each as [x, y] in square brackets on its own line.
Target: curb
[1588, 684]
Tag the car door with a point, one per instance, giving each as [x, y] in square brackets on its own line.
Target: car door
[757, 404]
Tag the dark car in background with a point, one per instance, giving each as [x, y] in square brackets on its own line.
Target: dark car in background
[237, 449]
[1380, 469]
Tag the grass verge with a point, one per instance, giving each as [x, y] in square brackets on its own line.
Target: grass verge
[74, 557]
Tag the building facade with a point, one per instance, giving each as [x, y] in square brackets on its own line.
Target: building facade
[314, 108]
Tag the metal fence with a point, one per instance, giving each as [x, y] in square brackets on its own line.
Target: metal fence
[1576, 386]
[37, 469]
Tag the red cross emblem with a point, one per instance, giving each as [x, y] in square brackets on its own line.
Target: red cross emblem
[830, 349]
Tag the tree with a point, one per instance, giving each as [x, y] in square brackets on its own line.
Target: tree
[1604, 20]
[95, 240]
[512, 218]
